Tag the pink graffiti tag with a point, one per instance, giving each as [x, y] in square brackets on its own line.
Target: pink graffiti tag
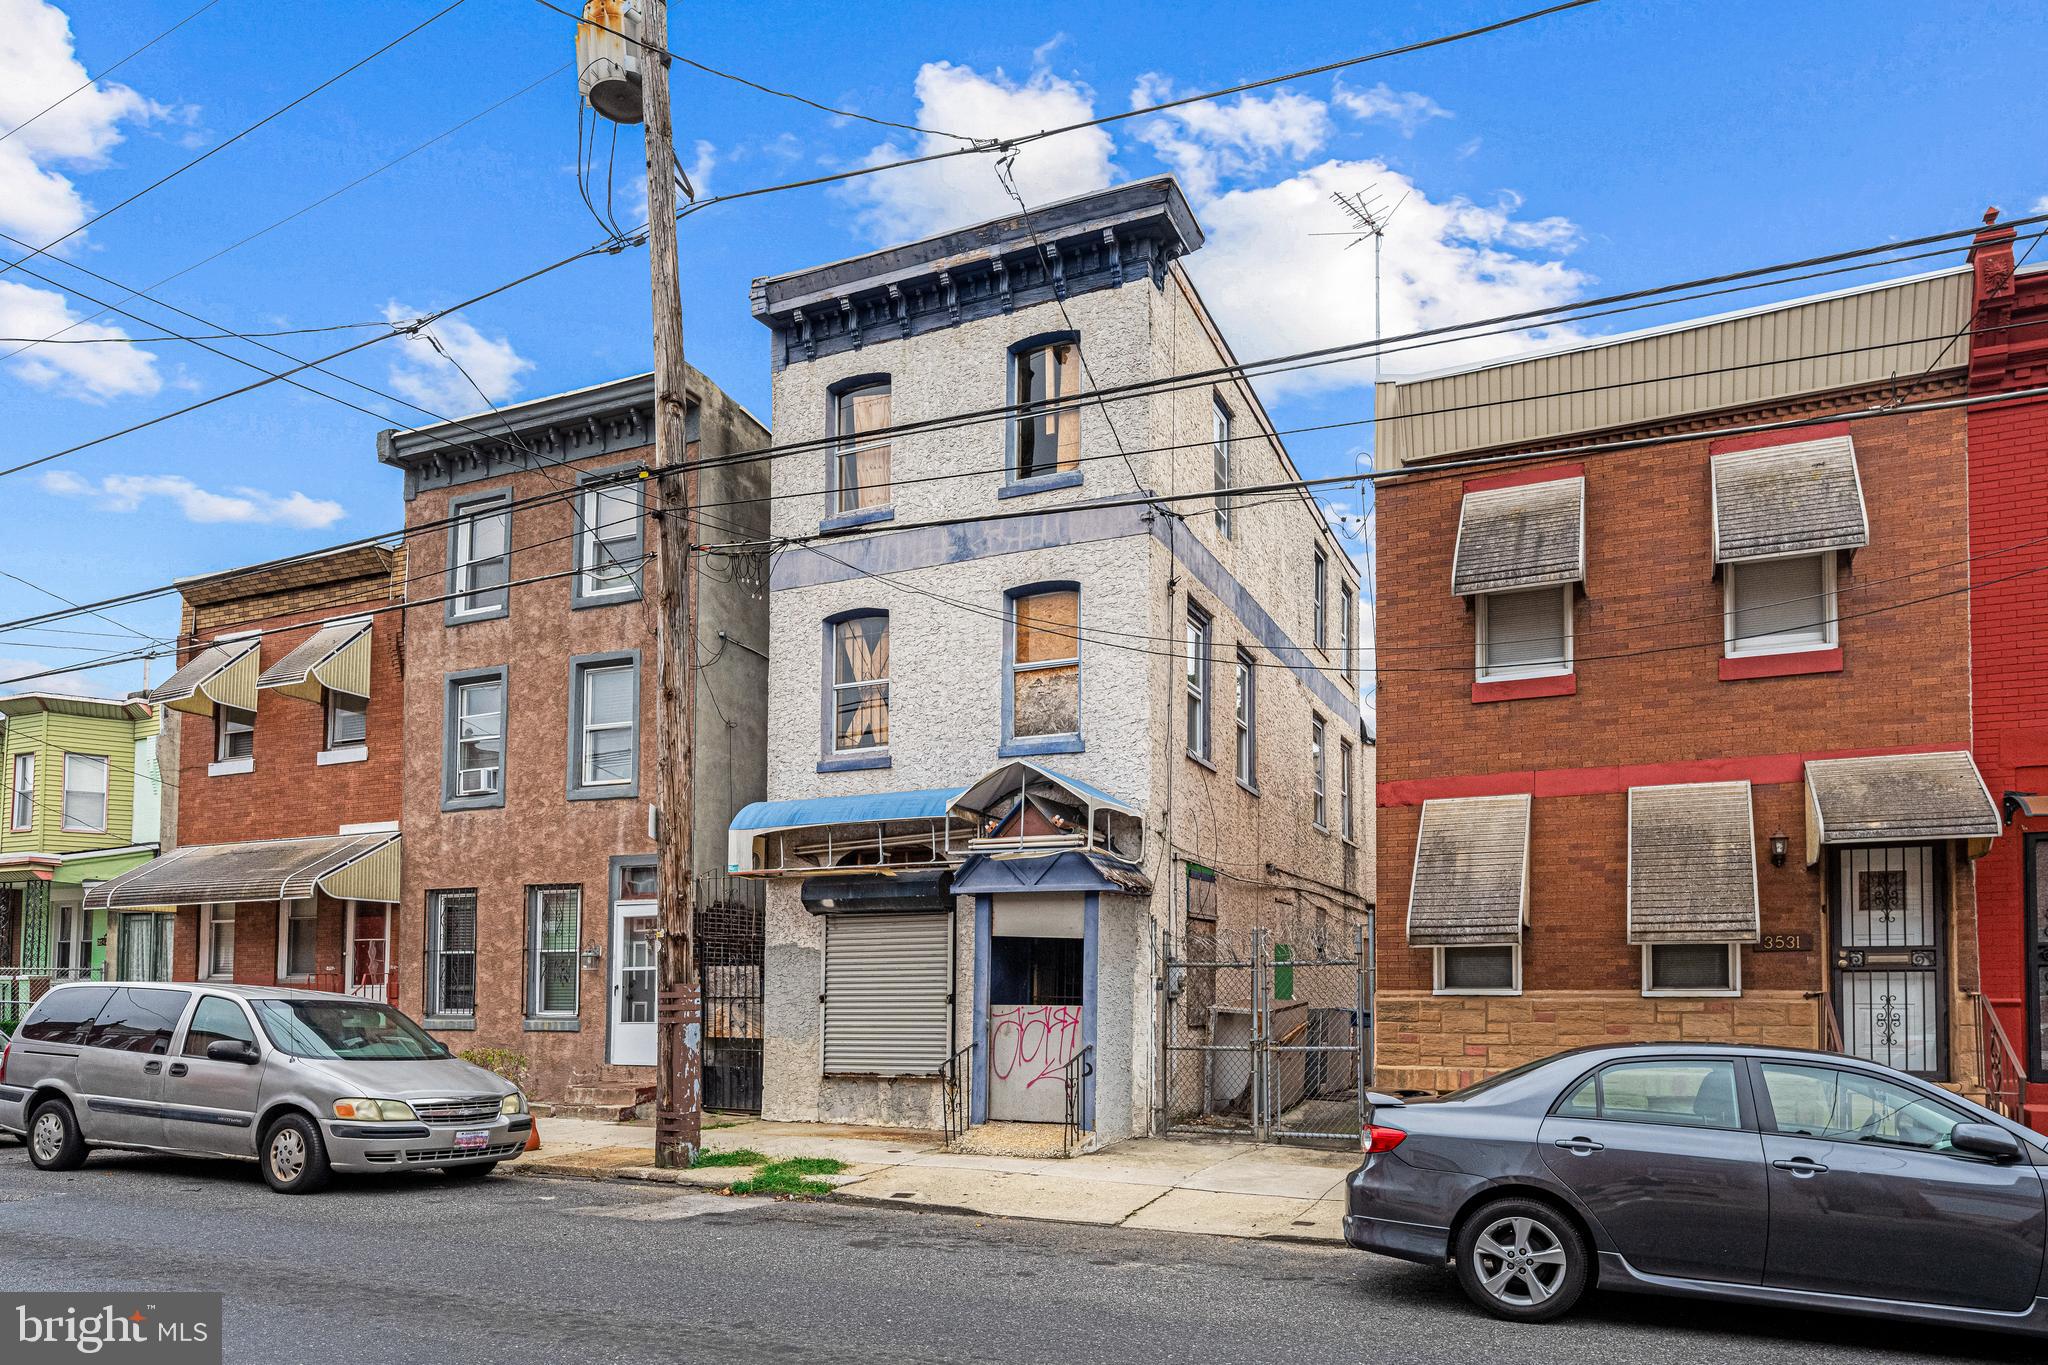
[1034, 1042]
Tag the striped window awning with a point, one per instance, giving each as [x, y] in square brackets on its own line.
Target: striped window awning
[346, 866]
[1896, 799]
[1788, 500]
[1529, 536]
[1692, 864]
[334, 658]
[1471, 883]
[223, 674]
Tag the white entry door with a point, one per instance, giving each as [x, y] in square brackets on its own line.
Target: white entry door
[634, 983]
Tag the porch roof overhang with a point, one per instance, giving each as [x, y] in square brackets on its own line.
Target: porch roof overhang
[222, 674]
[1471, 879]
[334, 658]
[1692, 864]
[345, 866]
[1896, 799]
[1069, 870]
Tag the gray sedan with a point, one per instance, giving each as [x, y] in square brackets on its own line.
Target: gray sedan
[1757, 1175]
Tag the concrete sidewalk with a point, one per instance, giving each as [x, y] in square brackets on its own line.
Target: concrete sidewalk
[1206, 1185]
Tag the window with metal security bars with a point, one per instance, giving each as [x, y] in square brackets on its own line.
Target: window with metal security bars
[554, 940]
[860, 683]
[451, 953]
[1524, 634]
[85, 793]
[348, 720]
[22, 805]
[888, 979]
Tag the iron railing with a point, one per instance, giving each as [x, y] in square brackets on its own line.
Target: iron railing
[20, 989]
[2004, 1075]
[1079, 1121]
[383, 989]
[1830, 1024]
[956, 1093]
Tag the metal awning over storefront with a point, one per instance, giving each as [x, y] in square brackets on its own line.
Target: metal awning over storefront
[1471, 882]
[1692, 864]
[1896, 799]
[1788, 500]
[1026, 806]
[335, 658]
[841, 833]
[345, 866]
[219, 675]
[1527, 536]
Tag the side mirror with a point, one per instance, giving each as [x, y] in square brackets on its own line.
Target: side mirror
[232, 1050]
[1984, 1139]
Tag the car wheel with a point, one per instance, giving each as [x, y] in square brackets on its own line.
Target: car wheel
[54, 1142]
[1522, 1260]
[295, 1157]
[474, 1171]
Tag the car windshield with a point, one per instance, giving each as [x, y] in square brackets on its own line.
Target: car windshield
[345, 1030]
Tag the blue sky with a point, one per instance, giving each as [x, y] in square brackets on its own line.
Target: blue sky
[1621, 146]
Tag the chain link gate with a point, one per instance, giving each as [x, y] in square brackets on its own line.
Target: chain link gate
[1266, 1034]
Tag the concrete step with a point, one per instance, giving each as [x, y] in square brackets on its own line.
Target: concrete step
[1017, 1139]
[610, 1102]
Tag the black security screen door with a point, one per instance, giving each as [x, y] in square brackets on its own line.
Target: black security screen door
[1891, 974]
[2035, 1044]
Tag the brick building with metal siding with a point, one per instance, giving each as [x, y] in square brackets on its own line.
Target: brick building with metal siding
[1664, 712]
[529, 722]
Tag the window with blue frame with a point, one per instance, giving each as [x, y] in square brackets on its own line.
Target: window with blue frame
[860, 683]
[1047, 437]
[860, 479]
[1045, 664]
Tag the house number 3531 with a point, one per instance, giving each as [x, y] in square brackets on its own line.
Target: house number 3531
[1785, 943]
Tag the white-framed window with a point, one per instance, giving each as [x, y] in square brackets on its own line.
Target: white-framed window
[860, 683]
[234, 734]
[861, 473]
[1779, 606]
[297, 929]
[1045, 664]
[1350, 822]
[1320, 595]
[1219, 433]
[1047, 439]
[610, 539]
[554, 941]
[1196, 678]
[21, 805]
[608, 740]
[451, 953]
[482, 567]
[1524, 634]
[217, 942]
[479, 737]
[1479, 969]
[85, 793]
[1318, 769]
[348, 720]
[1247, 720]
[1347, 627]
[1692, 969]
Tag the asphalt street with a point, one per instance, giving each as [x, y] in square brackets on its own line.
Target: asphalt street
[411, 1268]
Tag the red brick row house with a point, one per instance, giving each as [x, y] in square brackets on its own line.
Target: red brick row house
[1675, 695]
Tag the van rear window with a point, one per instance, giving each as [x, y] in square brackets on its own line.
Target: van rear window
[64, 1015]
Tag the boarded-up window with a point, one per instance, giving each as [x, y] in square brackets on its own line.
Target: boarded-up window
[1048, 438]
[1045, 673]
[863, 477]
[860, 683]
[887, 979]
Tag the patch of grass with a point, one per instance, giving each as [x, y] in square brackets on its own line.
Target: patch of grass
[810, 1165]
[714, 1127]
[743, 1156]
[778, 1180]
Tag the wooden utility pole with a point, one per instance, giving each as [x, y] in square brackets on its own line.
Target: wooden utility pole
[679, 1088]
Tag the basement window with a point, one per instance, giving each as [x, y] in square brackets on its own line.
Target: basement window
[1479, 969]
[1692, 969]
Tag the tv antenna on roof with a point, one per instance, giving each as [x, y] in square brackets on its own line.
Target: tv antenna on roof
[1369, 214]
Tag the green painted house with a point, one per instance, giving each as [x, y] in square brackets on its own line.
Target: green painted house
[84, 794]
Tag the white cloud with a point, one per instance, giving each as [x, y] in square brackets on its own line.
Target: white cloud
[2040, 206]
[430, 377]
[1405, 109]
[920, 200]
[1213, 140]
[37, 201]
[69, 684]
[95, 373]
[245, 506]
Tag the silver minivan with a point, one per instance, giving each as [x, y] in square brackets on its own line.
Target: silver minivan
[301, 1082]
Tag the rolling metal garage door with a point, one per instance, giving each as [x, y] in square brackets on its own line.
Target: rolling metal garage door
[887, 983]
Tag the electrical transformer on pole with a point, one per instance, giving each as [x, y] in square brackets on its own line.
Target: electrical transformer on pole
[623, 74]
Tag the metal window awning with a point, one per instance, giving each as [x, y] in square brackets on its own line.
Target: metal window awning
[1529, 536]
[1788, 500]
[334, 658]
[1896, 799]
[1025, 806]
[1471, 882]
[1692, 864]
[345, 866]
[223, 674]
[822, 833]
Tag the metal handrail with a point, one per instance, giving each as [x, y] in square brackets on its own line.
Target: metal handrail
[2003, 1074]
[1830, 1026]
[956, 1097]
[1074, 1076]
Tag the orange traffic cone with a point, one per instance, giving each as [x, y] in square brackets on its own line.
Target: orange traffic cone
[533, 1137]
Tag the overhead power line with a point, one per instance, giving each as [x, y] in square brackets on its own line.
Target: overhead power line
[104, 72]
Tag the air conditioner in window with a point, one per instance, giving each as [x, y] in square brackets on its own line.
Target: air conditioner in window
[476, 782]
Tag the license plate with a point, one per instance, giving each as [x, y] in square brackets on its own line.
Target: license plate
[472, 1142]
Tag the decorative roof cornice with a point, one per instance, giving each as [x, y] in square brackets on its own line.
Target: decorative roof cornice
[1095, 241]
